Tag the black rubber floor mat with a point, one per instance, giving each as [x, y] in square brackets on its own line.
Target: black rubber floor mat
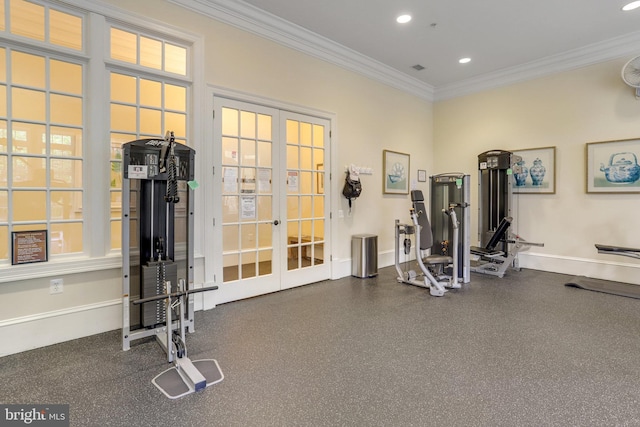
[605, 286]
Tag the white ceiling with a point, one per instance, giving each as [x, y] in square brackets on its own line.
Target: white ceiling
[507, 40]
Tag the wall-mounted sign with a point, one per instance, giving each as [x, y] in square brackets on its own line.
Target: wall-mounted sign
[29, 246]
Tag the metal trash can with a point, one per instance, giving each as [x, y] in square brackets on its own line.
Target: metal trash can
[364, 255]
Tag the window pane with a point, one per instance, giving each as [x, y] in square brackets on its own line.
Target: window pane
[175, 97]
[65, 77]
[3, 171]
[2, 16]
[117, 139]
[116, 205]
[150, 53]
[66, 205]
[116, 234]
[29, 171]
[27, 70]
[66, 173]
[151, 94]
[116, 175]
[3, 101]
[150, 121]
[3, 60]
[27, 19]
[65, 141]
[28, 138]
[66, 238]
[3, 136]
[123, 45]
[65, 30]
[28, 104]
[66, 109]
[177, 123]
[123, 118]
[4, 242]
[4, 202]
[175, 59]
[123, 88]
[29, 205]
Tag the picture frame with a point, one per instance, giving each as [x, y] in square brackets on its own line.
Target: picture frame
[422, 175]
[538, 171]
[612, 166]
[396, 172]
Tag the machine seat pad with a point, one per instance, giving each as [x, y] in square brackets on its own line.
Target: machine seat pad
[437, 259]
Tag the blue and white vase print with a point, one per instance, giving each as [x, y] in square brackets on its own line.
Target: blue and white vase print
[521, 176]
[537, 172]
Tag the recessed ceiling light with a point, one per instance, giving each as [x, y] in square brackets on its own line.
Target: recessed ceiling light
[403, 19]
[631, 6]
[464, 60]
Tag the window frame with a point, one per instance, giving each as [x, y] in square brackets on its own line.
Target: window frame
[97, 65]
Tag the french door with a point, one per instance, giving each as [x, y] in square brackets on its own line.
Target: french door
[271, 228]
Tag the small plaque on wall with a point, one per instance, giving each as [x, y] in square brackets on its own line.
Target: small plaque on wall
[29, 246]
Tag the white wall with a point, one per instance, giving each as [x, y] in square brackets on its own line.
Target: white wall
[566, 110]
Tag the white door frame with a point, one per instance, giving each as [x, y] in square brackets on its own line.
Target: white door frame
[213, 208]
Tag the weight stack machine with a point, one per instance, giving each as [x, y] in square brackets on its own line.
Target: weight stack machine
[446, 190]
[158, 259]
[495, 176]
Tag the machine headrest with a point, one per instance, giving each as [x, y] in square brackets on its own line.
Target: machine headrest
[416, 196]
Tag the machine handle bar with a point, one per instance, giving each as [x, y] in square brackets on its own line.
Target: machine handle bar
[173, 295]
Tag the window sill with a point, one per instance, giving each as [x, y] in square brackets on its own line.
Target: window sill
[58, 268]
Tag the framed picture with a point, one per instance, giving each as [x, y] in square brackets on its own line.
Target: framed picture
[395, 167]
[422, 175]
[537, 171]
[612, 166]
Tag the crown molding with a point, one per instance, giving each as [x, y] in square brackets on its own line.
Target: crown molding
[249, 18]
[606, 50]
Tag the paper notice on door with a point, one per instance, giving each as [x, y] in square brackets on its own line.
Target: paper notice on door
[292, 181]
[230, 179]
[248, 207]
[264, 180]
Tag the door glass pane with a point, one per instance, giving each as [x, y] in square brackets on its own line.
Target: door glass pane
[305, 182]
[292, 207]
[264, 127]
[264, 181]
[230, 209]
[248, 151]
[3, 102]
[230, 121]
[305, 231]
[3, 171]
[230, 238]
[264, 154]
[249, 236]
[305, 133]
[4, 202]
[247, 124]
[318, 230]
[305, 158]
[292, 132]
[229, 180]
[230, 267]
[292, 157]
[318, 136]
[305, 207]
[229, 151]
[265, 233]
[264, 208]
[318, 206]
[318, 253]
[264, 262]
[4, 242]
[248, 264]
[292, 232]
[318, 157]
[248, 182]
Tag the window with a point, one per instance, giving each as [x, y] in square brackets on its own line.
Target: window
[48, 91]
[143, 105]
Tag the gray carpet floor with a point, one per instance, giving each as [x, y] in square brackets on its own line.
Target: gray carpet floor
[520, 351]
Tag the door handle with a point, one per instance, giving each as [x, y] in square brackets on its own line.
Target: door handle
[276, 222]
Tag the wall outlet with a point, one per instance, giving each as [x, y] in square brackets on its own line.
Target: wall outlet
[56, 286]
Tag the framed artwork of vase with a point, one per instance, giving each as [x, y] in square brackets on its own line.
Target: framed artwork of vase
[612, 166]
[536, 172]
[395, 167]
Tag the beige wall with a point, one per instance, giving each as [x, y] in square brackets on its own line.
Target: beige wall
[565, 110]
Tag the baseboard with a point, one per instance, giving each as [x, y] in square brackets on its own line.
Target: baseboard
[53, 327]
